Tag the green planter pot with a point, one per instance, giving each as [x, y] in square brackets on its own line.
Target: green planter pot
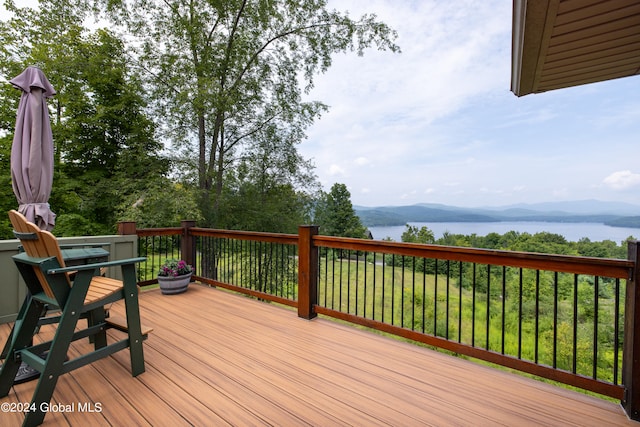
[170, 285]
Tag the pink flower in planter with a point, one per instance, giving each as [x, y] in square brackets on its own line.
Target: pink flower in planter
[172, 267]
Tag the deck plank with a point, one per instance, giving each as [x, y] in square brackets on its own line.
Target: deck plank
[218, 358]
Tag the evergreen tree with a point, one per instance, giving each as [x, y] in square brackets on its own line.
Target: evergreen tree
[335, 214]
[412, 234]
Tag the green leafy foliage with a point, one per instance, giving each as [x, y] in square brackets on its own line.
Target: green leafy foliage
[533, 315]
[163, 204]
[543, 242]
[105, 145]
[222, 82]
[229, 75]
[335, 214]
[414, 235]
[271, 188]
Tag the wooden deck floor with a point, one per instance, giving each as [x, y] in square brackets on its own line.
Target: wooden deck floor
[217, 358]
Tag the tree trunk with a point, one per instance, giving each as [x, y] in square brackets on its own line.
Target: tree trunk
[202, 155]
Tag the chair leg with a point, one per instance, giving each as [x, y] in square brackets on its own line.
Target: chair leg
[135, 336]
[25, 372]
[132, 309]
[95, 317]
[23, 308]
[21, 337]
[54, 364]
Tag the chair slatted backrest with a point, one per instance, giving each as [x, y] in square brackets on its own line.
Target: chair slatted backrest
[38, 244]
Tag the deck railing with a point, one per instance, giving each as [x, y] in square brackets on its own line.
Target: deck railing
[565, 318]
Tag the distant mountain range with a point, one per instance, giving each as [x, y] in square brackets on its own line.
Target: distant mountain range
[615, 214]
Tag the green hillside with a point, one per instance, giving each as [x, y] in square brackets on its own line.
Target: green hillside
[400, 215]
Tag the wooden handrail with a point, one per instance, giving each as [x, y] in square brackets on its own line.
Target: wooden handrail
[308, 242]
[617, 268]
[170, 231]
[290, 239]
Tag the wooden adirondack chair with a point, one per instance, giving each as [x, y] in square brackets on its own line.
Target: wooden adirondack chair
[43, 269]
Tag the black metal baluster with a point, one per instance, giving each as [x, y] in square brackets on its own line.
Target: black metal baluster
[473, 306]
[424, 295]
[596, 291]
[373, 293]
[504, 311]
[326, 275]
[537, 322]
[520, 315]
[488, 315]
[575, 324]
[364, 293]
[555, 320]
[460, 304]
[616, 331]
[349, 281]
[382, 297]
[393, 289]
[448, 264]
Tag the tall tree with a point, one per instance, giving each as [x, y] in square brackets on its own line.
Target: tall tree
[272, 187]
[224, 70]
[26, 38]
[335, 214]
[107, 141]
[413, 234]
[164, 204]
[104, 143]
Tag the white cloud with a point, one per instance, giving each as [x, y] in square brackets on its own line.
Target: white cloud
[560, 193]
[362, 161]
[336, 170]
[408, 195]
[622, 180]
[440, 117]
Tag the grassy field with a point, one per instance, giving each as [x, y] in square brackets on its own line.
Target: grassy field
[496, 316]
[540, 317]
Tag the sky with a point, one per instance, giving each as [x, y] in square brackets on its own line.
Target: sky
[438, 123]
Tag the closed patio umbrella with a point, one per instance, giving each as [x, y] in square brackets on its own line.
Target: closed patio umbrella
[32, 149]
[32, 161]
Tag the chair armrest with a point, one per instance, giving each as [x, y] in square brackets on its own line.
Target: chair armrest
[96, 265]
[26, 259]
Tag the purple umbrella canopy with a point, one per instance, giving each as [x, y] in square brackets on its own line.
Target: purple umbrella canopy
[32, 149]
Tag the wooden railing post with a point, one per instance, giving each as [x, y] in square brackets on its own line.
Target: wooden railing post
[126, 228]
[188, 243]
[631, 352]
[307, 271]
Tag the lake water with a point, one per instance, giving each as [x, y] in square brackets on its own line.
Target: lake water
[573, 232]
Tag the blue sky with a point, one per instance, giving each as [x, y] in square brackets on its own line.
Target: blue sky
[438, 123]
